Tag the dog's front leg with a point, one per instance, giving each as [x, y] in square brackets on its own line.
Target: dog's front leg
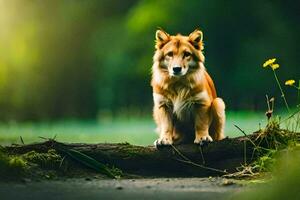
[162, 113]
[163, 119]
[202, 122]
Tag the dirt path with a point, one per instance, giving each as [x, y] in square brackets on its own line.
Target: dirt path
[161, 188]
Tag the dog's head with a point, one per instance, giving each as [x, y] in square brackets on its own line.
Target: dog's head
[178, 55]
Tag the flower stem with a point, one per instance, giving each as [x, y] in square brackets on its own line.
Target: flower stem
[282, 93]
[298, 93]
[297, 106]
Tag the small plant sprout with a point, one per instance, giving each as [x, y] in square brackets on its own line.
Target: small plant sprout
[271, 63]
[269, 112]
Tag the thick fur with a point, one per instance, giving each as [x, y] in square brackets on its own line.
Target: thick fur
[186, 106]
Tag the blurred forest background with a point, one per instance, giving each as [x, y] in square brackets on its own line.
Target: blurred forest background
[82, 59]
[91, 59]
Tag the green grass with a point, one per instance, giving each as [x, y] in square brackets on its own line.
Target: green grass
[284, 183]
[135, 131]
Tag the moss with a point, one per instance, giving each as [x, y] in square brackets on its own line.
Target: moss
[48, 160]
[12, 167]
[117, 172]
[17, 162]
[130, 151]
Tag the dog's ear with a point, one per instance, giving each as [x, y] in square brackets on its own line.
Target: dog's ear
[161, 38]
[196, 39]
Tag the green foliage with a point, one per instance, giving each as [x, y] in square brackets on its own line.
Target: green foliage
[276, 137]
[266, 162]
[285, 184]
[268, 143]
[149, 14]
[92, 58]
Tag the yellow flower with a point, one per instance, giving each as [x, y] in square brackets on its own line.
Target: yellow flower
[274, 66]
[290, 82]
[269, 62]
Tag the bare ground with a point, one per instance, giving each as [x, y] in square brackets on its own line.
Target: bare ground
[157, 188]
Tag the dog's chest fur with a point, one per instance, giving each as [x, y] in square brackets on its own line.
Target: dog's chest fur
[180, 100]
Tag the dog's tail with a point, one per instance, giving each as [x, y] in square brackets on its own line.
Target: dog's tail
[216, 129]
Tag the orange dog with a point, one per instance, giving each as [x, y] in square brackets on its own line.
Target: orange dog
[186, 106]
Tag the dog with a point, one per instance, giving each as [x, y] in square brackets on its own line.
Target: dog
[186, 107]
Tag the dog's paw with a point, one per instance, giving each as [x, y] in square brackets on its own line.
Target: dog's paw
[163, 142]
[203, 139]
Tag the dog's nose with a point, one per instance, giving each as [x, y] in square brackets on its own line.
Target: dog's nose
[176, 69]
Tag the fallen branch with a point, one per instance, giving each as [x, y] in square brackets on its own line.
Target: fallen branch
[181, 160]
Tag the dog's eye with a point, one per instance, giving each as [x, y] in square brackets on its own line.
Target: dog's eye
[186, 54]
[170, 54]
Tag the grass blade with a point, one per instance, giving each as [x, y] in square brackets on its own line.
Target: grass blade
[89, 162]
